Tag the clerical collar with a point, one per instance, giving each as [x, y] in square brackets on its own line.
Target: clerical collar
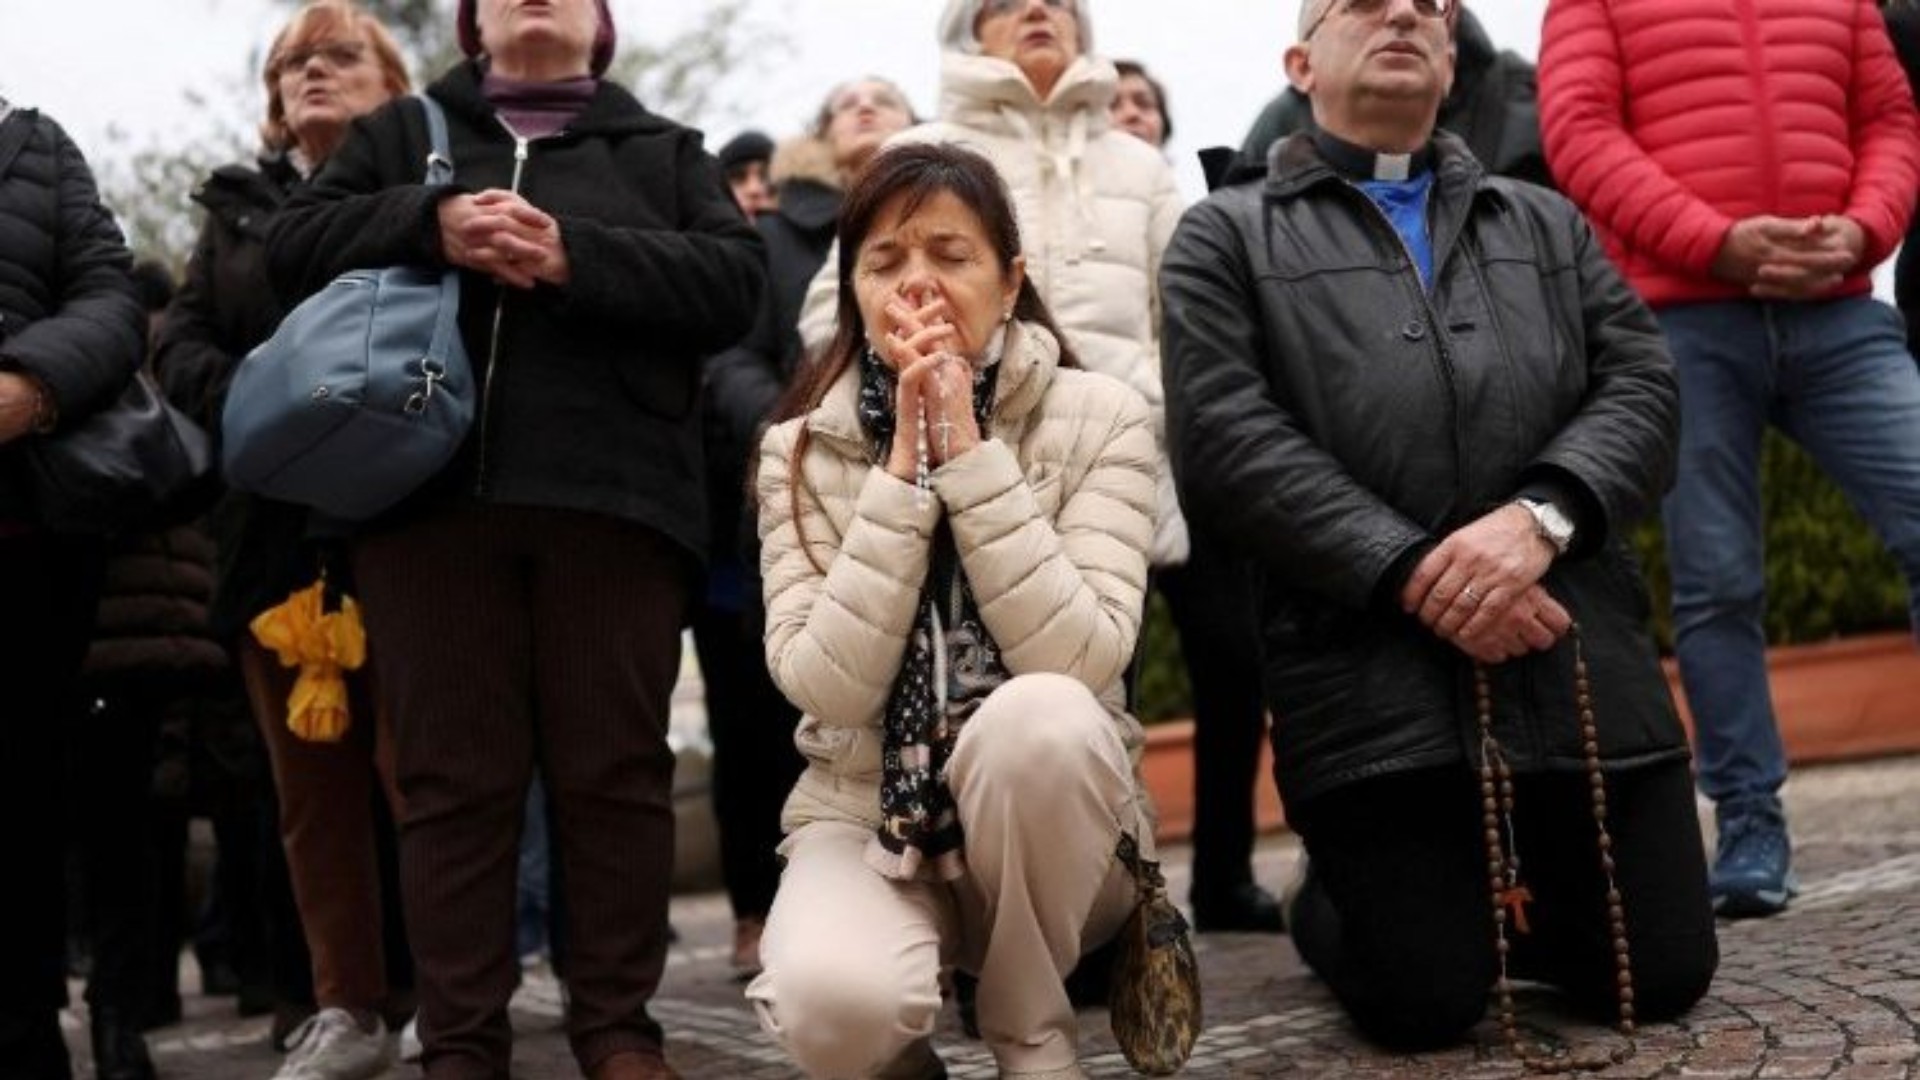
[1360, 163]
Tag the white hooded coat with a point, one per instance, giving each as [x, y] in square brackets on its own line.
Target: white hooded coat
[1096, 206]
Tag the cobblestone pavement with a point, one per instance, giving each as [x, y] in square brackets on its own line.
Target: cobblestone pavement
[1829, 990]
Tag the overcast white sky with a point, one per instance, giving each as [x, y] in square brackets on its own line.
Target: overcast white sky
[129, 63]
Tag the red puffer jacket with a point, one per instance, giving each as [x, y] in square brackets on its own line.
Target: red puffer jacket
[1669, 120]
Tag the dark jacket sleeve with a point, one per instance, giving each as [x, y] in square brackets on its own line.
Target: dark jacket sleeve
[700, 282]
[1621, 444]
[353, 216]
[93, 336]
[1242, 460]
[743, 383]
[193, 364]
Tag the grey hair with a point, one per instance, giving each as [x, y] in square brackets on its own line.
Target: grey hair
[957, 23]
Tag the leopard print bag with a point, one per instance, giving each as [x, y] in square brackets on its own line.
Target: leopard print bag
[1154, 1001]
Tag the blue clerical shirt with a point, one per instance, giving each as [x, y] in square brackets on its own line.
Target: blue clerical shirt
[1405, 204]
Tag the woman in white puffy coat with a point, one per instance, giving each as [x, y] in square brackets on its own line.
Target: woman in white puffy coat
[1096, 205]
[954, 529]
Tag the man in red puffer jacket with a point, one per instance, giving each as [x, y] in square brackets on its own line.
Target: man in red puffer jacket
[1747, 163]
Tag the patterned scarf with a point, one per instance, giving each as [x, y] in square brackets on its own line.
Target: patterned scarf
[950, 667]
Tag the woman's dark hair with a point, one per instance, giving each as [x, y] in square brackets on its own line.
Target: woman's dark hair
[912, 173]
[1135, 67]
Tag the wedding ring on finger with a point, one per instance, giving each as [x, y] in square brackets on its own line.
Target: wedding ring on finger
[1472, 595]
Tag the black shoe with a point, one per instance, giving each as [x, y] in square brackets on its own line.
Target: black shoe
[1246, 908]
[119, 1053]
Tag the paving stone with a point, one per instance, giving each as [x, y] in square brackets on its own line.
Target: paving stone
[1871, 1072]
[1796, 1069]
[1828, 991]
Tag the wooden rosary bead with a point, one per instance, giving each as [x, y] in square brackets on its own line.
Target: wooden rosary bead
[1503, 866]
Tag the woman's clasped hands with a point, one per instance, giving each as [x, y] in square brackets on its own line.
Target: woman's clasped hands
[936, 385]
[502, 235]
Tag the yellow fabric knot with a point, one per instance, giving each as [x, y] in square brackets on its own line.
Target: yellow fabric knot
[323, 645]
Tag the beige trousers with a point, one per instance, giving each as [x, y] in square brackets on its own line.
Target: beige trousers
[853, 959]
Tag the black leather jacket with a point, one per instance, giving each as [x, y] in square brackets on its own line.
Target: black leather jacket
[1335, 418]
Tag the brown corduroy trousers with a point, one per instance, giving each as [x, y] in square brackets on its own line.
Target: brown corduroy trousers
[505, 637]
[329, 828]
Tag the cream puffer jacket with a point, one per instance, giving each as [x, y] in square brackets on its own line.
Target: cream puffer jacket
[1096, 207]
[1051, 513]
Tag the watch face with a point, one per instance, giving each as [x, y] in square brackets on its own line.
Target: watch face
[1559, 528]
[1554, 525]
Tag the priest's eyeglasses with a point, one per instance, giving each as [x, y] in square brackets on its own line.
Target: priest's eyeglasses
[1432, 9]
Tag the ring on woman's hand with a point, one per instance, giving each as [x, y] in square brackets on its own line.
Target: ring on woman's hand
[1472, 595]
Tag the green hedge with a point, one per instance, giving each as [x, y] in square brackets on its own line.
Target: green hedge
[1827, 574]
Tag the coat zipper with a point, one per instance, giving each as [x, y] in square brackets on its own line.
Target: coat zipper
[1434, 327]
[520, 152]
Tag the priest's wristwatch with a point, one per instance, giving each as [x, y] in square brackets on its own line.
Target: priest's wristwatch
[1550, 523]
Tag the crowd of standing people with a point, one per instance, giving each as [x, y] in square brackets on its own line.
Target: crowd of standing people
[906, 418]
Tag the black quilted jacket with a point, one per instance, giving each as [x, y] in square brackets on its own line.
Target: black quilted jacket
[68, 312]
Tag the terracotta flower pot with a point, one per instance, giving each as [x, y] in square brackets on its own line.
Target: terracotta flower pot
[1846, 698]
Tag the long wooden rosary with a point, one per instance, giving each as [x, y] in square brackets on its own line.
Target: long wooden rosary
[1510, 894]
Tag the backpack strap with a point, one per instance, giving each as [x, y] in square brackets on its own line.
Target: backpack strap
[440, 155]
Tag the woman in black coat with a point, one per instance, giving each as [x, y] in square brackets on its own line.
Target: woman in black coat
[750, 720]
[526, 604]
[330, 63]
[71, 335]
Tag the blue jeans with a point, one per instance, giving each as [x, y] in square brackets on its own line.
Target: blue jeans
[1836, 377]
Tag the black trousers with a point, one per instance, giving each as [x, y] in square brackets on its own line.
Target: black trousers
[755, 764]
[250, 921]
[1396, 912]
[123, 838]
[49, 588]
[1213, 605]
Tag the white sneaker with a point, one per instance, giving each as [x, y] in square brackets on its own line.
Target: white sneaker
[410, 1049]
[331, 1045]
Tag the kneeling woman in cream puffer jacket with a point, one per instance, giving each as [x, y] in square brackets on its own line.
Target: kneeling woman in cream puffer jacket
[955, 527]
